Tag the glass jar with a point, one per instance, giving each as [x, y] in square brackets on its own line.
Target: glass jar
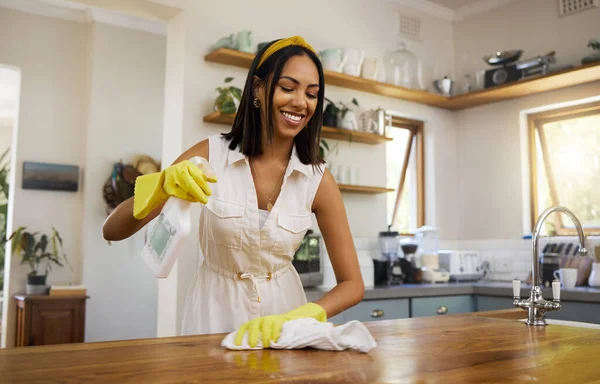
[402, 68]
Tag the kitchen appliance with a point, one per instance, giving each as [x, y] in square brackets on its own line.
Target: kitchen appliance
[463, 265]
[509, 69]
[505, 71]
[428, 240]
[431, 271]
[308, 260]
[549, 263]
[408, 263]
[389, 245]
[536, 65]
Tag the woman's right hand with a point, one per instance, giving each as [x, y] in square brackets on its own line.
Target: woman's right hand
[188, 180]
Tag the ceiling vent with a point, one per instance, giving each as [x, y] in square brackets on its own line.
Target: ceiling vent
[569, 7]
[410, 27]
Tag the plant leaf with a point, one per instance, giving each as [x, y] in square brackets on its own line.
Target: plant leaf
[228, 79]
[355, 102]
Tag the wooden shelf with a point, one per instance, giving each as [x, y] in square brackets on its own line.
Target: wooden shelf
[326, 132]
[363, 189]
[244, 60]
[553, 81]
[556, 80]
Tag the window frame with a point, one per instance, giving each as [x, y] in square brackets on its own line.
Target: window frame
[535, 123]
[416, 129]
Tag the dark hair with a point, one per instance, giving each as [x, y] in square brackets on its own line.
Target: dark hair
[246, 131]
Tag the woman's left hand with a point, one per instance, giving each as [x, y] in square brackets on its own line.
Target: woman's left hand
[269, 327]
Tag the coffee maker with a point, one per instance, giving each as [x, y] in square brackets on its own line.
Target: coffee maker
[408, 263]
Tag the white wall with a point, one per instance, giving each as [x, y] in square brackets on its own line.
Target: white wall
[90, 96]
[488, 137]
[50, 56]
[532, 25]
[337, 23]
[126, 83]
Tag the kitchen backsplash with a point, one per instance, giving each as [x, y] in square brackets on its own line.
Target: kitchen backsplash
[508, 259]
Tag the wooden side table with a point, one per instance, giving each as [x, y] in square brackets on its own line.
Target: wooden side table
[44, 320]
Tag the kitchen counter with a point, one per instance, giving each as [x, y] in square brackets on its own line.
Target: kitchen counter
[467, 348]
[503, 289]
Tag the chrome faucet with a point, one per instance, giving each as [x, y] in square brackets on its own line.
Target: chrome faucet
[536, 305]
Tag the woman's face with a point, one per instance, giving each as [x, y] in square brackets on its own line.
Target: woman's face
[295, 97]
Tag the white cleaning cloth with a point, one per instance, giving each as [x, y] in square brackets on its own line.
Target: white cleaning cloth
[308, 332]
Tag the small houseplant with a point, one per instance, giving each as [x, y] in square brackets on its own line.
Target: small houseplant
[228, 98]
[38, 249]
[340, 116]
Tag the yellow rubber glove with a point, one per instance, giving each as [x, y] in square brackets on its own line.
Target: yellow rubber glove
[269, 327]
[187, 180]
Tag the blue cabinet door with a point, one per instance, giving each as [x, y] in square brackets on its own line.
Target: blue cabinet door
[374, 310]
[492, 303]
[576, 311]
[441, 305]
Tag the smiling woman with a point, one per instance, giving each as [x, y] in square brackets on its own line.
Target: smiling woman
[267, 180]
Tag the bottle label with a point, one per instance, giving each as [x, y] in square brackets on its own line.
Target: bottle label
[161, 237]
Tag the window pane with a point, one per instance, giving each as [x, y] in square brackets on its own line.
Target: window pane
[405, 220]
[573, 147]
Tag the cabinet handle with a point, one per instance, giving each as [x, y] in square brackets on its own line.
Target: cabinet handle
[442, 310]
[376, 313]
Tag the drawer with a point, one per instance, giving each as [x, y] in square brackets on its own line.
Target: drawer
[441, 305]
[374, 310]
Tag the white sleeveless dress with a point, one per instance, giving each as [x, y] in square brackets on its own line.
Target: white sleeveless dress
[247, 269]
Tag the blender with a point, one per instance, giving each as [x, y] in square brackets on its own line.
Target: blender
[387, 267]
[428, 240]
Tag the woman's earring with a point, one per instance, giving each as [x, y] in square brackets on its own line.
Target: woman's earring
[256, 102]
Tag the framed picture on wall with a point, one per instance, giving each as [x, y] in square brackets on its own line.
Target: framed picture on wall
[49, 176]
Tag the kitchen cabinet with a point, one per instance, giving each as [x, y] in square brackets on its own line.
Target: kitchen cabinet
[375, 310]
[492, 303]
[441, 305]
[44, 320]
[571, 310]
[577, 311]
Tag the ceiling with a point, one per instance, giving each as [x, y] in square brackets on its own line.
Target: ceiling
[453, 4]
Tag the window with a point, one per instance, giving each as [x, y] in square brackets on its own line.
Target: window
[564, 159]
[405, 173]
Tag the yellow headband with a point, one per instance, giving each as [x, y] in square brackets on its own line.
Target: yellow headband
[279, 44]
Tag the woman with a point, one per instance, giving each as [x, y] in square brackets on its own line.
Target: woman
[262, 183]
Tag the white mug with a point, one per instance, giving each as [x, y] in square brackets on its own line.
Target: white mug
[567, 276]
[370, 69]
[353, 60]
[342, 173]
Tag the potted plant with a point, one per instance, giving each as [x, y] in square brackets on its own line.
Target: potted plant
[330, 114]
[228, 98]
[37, 249]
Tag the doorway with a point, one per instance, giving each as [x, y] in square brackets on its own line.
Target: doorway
[10, 87]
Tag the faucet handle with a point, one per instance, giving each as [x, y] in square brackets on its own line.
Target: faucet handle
[516, 288]
[556, 290]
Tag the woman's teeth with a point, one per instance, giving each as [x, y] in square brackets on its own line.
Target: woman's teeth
[295, 118]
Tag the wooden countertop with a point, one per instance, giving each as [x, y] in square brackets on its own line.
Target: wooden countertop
[470, 348]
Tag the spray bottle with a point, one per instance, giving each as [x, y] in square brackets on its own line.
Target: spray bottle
[165, 236]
